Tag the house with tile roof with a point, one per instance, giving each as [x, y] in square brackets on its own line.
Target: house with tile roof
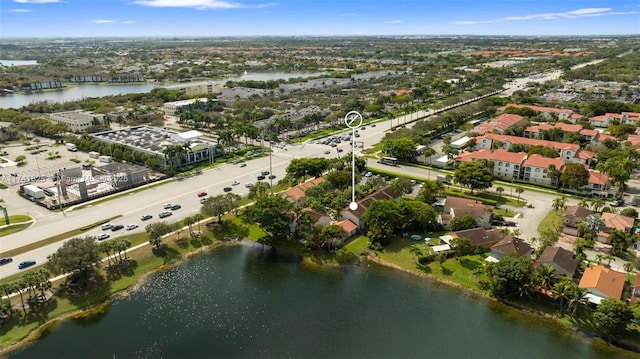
[602, 282]
[385, 193]
[572, 216]
[508, 246]
[627, 118]
[480, 237]
[560, 259]
[347, 226]
[635, 290]
[614, 221]
[296, 194]
[566, 150]
[500, 123]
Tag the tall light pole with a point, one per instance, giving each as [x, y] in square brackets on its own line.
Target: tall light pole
[353, 120]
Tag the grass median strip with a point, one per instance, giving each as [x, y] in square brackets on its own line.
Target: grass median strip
[54, 239]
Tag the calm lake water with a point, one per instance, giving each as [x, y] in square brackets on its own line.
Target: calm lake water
[78, 92]
[248, 302]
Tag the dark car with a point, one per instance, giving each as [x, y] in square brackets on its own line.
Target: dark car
[202, 194]
[175, 206]
[117, 227]
[264, 173]
[146, 217]
[227, 189]
[509, 223]
[6, 260]
[272, 176]
[261, 177]
[26, 264]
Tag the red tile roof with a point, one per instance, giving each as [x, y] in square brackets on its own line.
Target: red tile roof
[596, 177]
[537, 160]
[606, 280]
[529, 141]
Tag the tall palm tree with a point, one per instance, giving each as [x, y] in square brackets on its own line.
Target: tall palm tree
[559, 203]
[562, 291]
[577, 300]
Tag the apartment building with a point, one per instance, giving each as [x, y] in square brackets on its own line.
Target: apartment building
[77, 121]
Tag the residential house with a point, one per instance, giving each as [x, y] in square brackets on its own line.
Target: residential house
[536, 169]
[560, 259]
[349, 227]
[613, 221]
[567, 151]
[296, 194]
[510, 245]
[572, 217]
[480, 237]
[500, 123]
[635, 290]
[602, 282]
[599, 184]
[385, 193]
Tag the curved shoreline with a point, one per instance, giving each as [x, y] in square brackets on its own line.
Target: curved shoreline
[97, 308]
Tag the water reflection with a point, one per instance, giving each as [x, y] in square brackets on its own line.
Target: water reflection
[248, 302]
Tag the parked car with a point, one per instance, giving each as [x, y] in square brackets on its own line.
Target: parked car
[617, 202]
[5, 260]
[103, 236]
[175, 207]
[26, 264]
[106, 226]
[117, 227]
[509, 223]
[227, 189]
[164, 214]
[146, 217]
[201, 194]
[131, 226]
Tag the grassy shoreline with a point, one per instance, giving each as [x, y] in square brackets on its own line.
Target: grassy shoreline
[148, 264]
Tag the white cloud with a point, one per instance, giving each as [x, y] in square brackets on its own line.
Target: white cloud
[574, 14]
[129, 22]
[197, 4]
[19, 10]
[469, 22]
[393, 22]
[103, 21]
[36, 1]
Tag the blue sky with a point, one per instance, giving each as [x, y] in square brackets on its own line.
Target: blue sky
[91, 18]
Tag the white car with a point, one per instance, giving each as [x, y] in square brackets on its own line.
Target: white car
[235, 183]
[102, 236]
[204, 199]
[131, 226]
[106, 226]
[168, 205]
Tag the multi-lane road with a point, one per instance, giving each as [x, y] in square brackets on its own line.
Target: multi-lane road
[130, 208]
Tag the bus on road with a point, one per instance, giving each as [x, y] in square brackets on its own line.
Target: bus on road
[391, 161]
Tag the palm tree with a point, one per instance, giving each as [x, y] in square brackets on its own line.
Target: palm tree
[596, 204]
[577, 299]
[559, 203]
[599, 258]
[189, 221]
[593, 224]
[106, 247]
[562, 291]
[499, 190]
[519, 191]
[546, 276]
[198, 217]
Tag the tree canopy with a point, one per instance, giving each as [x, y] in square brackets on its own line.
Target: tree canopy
[476, 175]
